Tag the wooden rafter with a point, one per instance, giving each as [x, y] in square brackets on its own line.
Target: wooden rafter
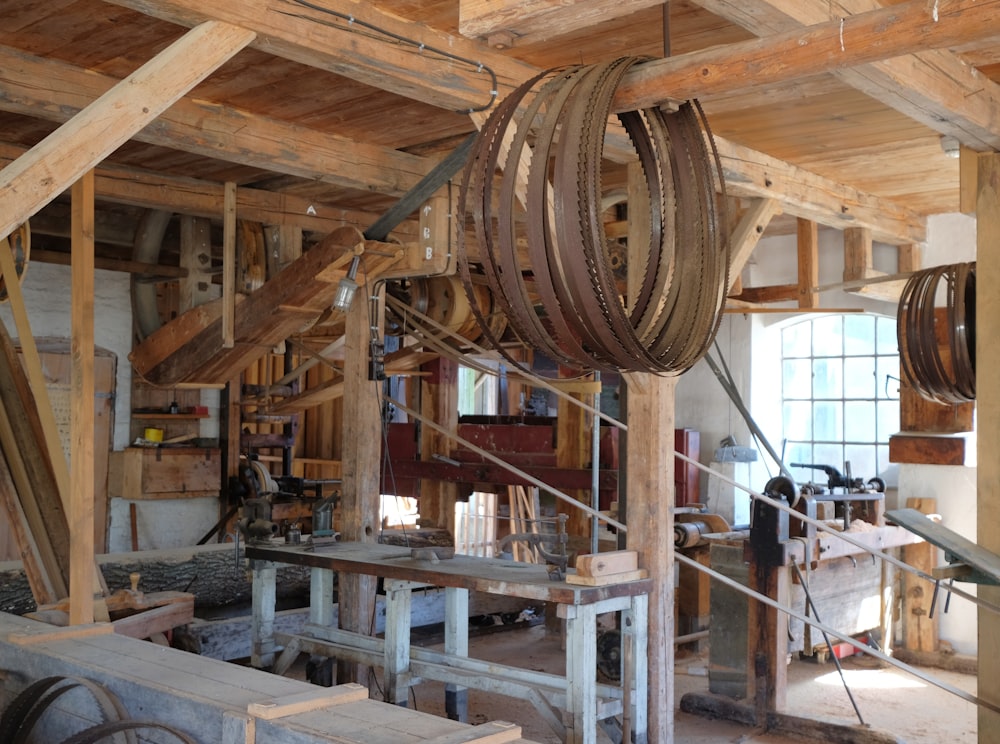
[55, 163]
[235, 135]
[933, 87]
[748, 233]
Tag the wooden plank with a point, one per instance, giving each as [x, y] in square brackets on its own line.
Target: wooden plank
[493, 732]
[438, 402]
[303, 702]
[649, 463]
[807, 250]
[80, 509]
[162, 619]
[52, 165]
[46, 634]
[956, 547]
[988, 432]
[606, 579]
[610, 562]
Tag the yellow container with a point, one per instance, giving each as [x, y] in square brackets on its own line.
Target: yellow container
[153, 435]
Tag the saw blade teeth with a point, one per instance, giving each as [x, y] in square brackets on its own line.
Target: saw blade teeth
[547, 141]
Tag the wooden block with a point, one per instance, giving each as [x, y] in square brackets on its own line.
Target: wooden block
[618, 578]
[147, 623]
[302, 702]
[928, 450]
[52, 634]
[602, 564]
[494, 732]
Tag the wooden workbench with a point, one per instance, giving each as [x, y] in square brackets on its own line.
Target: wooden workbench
[584, 700]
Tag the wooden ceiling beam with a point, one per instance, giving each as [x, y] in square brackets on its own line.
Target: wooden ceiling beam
[752, 174]
[537, 20]
[358, 41]
[933, 87]
[201, 198]
[53, 90]
[824, 47]
[56, 162]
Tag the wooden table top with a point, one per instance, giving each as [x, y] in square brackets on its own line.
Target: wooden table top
[490, 575]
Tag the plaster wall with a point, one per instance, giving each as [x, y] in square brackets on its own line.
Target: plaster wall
[46, 289]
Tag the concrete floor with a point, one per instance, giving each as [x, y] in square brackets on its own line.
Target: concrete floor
[889, 700]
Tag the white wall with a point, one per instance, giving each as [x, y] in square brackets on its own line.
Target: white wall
[751, 347]
[46, 289]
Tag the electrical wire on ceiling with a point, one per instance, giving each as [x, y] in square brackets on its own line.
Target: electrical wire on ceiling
[354, 23]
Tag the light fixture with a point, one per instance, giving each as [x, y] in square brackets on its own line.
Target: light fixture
[346, 287]
[950, 145]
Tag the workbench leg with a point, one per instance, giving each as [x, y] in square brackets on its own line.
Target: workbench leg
[321, 597]
[456, 642]
[581, 677]
[397, 641]
[634, 624]
[262, 630]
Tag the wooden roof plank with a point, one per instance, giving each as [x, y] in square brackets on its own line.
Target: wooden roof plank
[56, 162]
[933, 87]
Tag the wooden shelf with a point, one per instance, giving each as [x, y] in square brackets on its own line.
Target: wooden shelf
[173, 416]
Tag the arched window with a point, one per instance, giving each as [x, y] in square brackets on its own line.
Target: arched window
[839, 393]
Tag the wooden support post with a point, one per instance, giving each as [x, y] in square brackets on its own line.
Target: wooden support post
[988, 403]
[767, 633]
[920, 629]
[196, 257]
[438, 402]
[456, 642]
[808, 256]
[80, 511]
[262, 629]
[572, 449]
[229, 266]
[649, 463]
[362, 437]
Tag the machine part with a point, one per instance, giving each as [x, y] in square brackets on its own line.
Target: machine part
[146, 249]
[20, 245]
[322, 516]
[570, 307]
[557, 560]
[769, 526]
[609, 654]
[950, 377]
[689, 534]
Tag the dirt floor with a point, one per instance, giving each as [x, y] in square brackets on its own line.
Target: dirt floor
[889, 700]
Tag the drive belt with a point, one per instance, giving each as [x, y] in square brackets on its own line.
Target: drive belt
[532, 198]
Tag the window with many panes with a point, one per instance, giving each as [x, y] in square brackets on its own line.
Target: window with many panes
[839, 393]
